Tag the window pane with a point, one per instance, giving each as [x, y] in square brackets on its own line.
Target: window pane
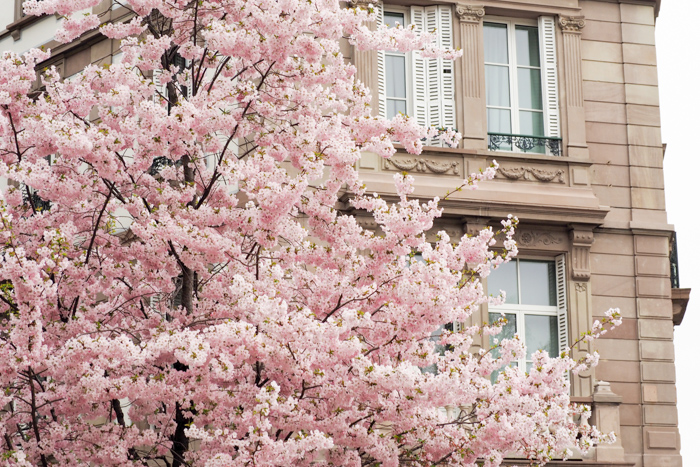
[495, 43]
[394, 106]
[395, 76]
[529, 89]
[497, 86]
[538, 283]
[531, 123]
[527, 46]
[391, 18]
[498, 121]
[504, 278]
[541, 334]
[508, 330]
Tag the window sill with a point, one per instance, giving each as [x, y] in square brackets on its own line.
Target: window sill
[15, 29]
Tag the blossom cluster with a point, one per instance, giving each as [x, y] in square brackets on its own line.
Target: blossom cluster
[184, 280]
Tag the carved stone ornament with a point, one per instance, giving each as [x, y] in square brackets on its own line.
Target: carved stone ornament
[581, 241]
[470, 13]
[532, 238]
[455, 233]
[366, 222]
[422, 165]
[581, 287]
[532, 174]
[362, 3]
[572, 23]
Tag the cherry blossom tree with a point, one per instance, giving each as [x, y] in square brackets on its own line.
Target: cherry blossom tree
[183, 280]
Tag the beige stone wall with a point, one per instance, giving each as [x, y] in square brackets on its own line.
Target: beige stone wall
[605, 207]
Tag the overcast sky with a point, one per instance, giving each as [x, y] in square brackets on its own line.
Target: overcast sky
[678, 54]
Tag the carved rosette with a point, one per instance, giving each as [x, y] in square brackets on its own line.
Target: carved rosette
[532, 174]
[470, 13]
[572, 24]
[422, 165]
[581, 241]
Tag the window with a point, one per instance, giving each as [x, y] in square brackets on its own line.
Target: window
[521, 86]
[412, 85]
[535, 305]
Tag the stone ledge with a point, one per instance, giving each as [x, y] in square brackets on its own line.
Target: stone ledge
[680, 298]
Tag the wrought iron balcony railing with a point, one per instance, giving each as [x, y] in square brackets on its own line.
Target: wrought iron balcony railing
[673, 256]
[525, 143]
[38, 203]
[161, 162]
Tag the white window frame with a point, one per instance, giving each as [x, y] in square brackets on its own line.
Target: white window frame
[560, 310]
[548, 75]
[430, 83]
[406, 12]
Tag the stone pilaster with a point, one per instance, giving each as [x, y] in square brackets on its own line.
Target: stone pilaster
[470, 76]
[366, 60]
[606, 417]
[571, 27]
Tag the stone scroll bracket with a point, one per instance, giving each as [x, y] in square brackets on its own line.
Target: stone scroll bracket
[581, 241]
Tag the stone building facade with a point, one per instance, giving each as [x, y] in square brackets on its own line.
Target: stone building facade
[563, 94]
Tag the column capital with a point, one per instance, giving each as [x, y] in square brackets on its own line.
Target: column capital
[470, 13]
[572, 24]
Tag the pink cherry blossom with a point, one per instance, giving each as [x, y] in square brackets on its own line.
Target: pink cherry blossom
[180, 282]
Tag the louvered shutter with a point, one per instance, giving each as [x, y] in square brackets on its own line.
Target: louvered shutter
[381, 66]
[433, 74]
[419, 83]
[548, 59]
[447, 85]
[562, 308]
[433, 79]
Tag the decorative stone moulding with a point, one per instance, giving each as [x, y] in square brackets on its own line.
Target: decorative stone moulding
[422, 165]
[470, 13]
[362, 3]
[533, 238]
[581, 241]
[455, 233]
[572, 23]
[366, 222]
[532, 174]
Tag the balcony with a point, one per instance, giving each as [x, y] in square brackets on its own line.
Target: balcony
[525, 143]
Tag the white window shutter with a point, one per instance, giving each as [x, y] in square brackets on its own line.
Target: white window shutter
[446, 68]
[381, 66]
[433, 73]
[435, 77]
[562, 308]
[161, 89]
[550, 86]
[419, 83]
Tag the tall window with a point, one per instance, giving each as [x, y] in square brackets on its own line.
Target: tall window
[413, 85]
[535, 305]
[521, 86]
[396, 70]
